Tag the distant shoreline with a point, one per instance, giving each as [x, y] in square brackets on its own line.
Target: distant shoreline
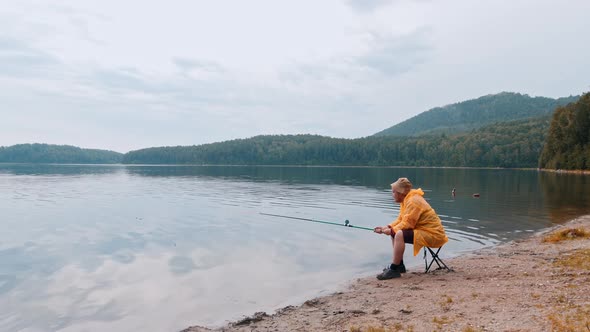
[583, 172]
[576, 171]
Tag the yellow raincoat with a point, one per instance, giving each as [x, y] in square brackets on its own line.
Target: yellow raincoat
[417, 214]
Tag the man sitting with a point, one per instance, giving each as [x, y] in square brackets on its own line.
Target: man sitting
[417, 224]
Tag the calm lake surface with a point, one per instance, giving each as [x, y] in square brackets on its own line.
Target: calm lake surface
[160, 248]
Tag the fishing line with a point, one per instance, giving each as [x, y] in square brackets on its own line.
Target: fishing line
[346, 222]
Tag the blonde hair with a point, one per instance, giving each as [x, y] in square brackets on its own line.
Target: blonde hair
[402, 186]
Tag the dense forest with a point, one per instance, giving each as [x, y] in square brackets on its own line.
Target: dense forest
[516, 143]
[476, 113]
[510, 144]
[48, 153]
[568, 140]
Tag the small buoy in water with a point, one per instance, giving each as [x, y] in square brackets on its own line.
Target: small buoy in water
[475, 195]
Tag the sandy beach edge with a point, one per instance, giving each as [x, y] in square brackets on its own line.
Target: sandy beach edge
[523, 285]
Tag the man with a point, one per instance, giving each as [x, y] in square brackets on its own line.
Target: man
[417, 224]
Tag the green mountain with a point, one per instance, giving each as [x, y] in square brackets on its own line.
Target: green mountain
[475, 113]
[568, 140]
[482, 135]
[258, 150]
[510, 144]
[48, 153]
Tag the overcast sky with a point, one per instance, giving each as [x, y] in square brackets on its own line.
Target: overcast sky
[124, 75]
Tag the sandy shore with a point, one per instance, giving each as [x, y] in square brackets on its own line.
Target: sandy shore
[524, 285]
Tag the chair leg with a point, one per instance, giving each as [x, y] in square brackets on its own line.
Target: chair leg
[435, 259]
[426, 263]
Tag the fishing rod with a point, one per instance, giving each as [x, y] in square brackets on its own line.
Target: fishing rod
[346, 222]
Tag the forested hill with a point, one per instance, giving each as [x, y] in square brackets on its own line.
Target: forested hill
[568, 140]
[48, 153]
[502, 144]
[475, 113]
[511, 144]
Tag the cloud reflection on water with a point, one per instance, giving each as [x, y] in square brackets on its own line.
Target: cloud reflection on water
[150, 294]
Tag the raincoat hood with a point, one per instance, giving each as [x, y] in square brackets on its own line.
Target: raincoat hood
[414, 192]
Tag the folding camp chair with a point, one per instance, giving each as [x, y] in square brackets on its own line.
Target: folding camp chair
[434, 258]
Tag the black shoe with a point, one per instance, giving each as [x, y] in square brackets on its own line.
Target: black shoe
[401, 267]
[389, 274]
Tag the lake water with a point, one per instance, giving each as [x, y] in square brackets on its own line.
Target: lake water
[160, 248]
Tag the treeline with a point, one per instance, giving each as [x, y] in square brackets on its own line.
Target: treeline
[476, 113]
[503, 144]
[49, 153]
[568, 140]
[510, 144]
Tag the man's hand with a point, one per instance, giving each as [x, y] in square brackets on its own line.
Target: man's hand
[382, 230]
[386, 230]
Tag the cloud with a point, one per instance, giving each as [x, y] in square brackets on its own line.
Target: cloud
[79, 20]
[367, 5]
[201, 95]
[189, 64]
[89, 77]
[299, 74]
[19, 59]
[386, 54]
[393, 55]
[177, 93]
[128, 79]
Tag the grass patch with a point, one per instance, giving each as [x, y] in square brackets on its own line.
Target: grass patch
[561, 299]
[567, 234]
[440, 322]
[446, 302]
[471, 329]
[577, 259]
[574, 320]
[397, 327]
